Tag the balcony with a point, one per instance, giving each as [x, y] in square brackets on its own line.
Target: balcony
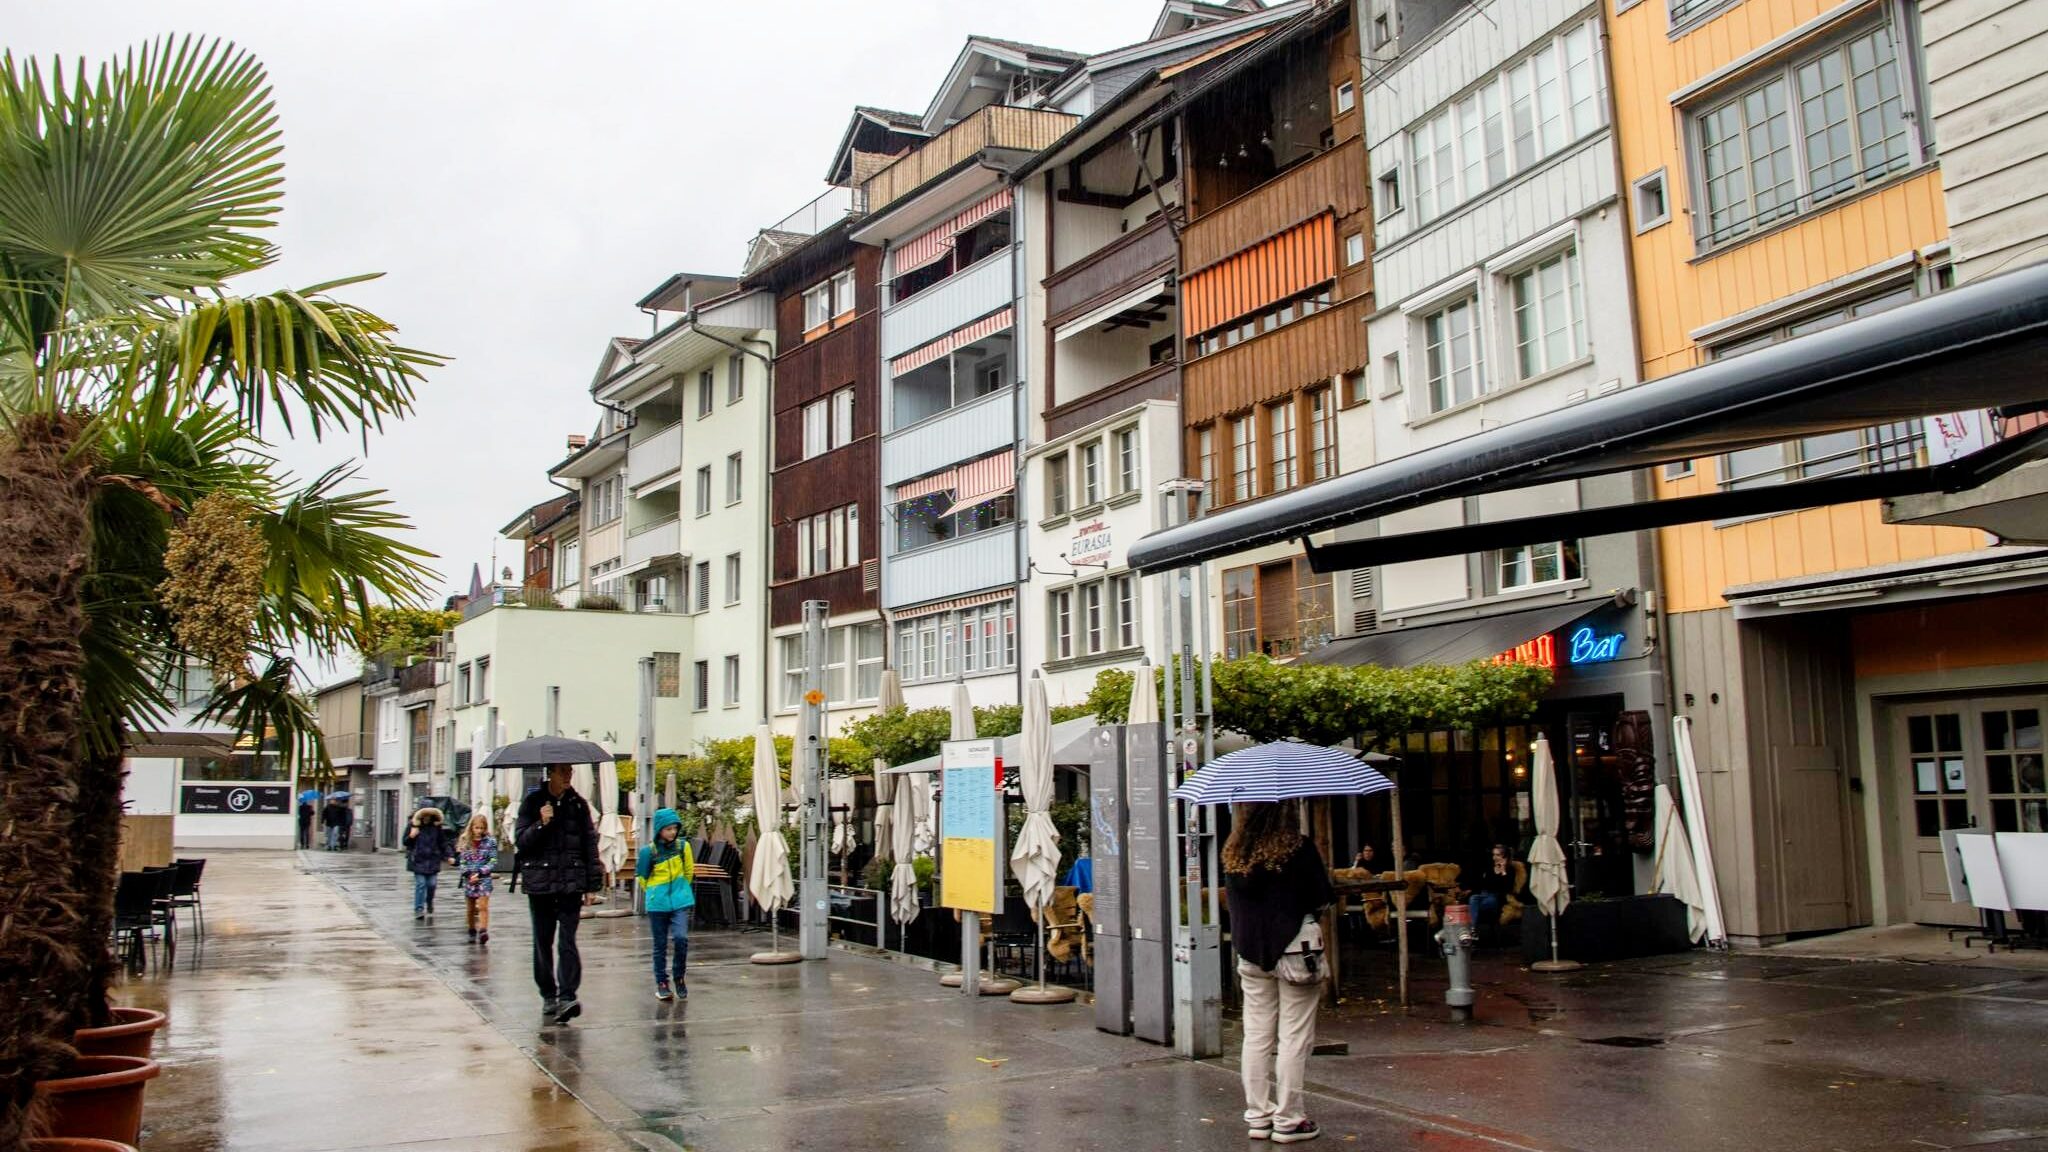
[1018, 129]
[658, 456]
[346, 746]
[1159, 382]
[1334, 182]
[966, 295]
[1272, 364]
[656, 541]
[572, 599]
[1109, 271]
[976, 428]
[954, 568]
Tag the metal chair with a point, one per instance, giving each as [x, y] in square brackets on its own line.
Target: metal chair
[164, 882]
[135, 917]
[185, 892]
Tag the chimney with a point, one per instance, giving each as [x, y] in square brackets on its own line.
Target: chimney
[578, 441]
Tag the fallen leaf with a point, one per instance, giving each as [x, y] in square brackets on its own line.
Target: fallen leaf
[993, 1063]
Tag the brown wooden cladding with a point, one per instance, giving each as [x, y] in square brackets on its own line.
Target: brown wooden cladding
[841, 589]
[1335, 182]
[849, 475]
[1159, 382]
[1022, 129]
[1273, 364]
[789, 304]
[1110, 271]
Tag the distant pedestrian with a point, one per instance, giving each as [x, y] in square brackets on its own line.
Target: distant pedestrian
[427, 846]
[1276, 882]
[305, 825]
[476, 853]
[667, 869]
[557, 843]
[332, 817]
[348, 822]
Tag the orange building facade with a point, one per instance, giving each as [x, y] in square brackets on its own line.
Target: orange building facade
[1847, 699]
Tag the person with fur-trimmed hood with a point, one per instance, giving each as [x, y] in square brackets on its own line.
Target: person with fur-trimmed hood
[427, 847]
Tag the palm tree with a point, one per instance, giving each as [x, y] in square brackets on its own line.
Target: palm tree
[143, 525]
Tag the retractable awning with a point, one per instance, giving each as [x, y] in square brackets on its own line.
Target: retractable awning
[1983, 345]
[1457, 641]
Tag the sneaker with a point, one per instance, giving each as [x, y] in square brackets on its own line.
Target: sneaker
[419, 914]
[472, 935]
[1306, 1130]
[549, 1007]
[662, 991]
[1259, 1130]
[682, 990]
[483, 936]
[566, 1011]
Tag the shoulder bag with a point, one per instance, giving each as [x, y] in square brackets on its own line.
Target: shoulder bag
[1302, 963]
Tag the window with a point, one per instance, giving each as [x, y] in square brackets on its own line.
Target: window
[828, 541]
[1243, 462]
[842, 417]
[817, 309]
[861, 643]
[735, 378]
[732, 682]
[1389, 192]
[817, 425]
[1653, 206]
[1056, 484]
[1456, 368]
[1280, 443]
[1382, 31]
[1801, 134]
[1513, 121]
[1529, 565]
[1205, 460]
[462, 686]
[1265, 320]
[1347, 97]
[1123, 592]
[569, 563]
[1390, 374]
[1091, 618]
[1062, 630]
[842, 293]
[1240, 612]
[868, 659]
[733, 477]
[1322, 435]
[700, 685]
[1354, 249]
[606, 500]
[704, 390]
[980, 640]
[1091, 473]
[483, 680]
[732, 578]
[704, 490]
[703, 586]
[1550, 325]
[1125, 441]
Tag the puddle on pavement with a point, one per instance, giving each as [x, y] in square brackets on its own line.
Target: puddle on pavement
[1626, 1041]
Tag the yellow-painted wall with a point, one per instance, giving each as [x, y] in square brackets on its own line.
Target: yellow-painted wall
[1677, 293]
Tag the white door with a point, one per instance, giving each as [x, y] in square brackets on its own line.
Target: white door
[1964, 763]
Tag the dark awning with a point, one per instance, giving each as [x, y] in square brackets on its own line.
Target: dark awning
[1456, 642]
[1982, 345]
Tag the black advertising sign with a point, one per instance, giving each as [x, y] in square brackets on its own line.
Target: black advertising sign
[236, 799]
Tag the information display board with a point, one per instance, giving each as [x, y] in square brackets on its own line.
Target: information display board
[235, 799]
[970, 827]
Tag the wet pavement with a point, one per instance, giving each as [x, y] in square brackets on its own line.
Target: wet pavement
[322, 1017]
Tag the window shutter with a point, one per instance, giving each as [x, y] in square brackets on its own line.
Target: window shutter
[1364, 616]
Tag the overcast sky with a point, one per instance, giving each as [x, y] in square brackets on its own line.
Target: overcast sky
[522, 172]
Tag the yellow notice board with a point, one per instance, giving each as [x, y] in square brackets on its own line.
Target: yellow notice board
[970, 812]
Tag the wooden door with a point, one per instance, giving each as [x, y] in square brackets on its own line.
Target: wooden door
[1930, 766]
[1813, 808]
[1277, 632]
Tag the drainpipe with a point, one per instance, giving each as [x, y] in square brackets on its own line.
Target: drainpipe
[1021, 424]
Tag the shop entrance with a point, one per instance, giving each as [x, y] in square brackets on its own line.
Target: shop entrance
[1595, 841]
[387, 818]
[1962, 763]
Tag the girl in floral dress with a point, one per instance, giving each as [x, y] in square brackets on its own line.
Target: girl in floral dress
[475, 853]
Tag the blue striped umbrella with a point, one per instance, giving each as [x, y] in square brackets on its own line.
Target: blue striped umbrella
[1283, 770]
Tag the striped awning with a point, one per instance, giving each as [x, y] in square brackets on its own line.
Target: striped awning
[953, 605]
[971, 483]
[925, 486]
[916, 358]
[921, 250]
[1266, 273]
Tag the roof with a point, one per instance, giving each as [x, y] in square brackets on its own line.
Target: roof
[1309, 23]
[887, 120]
[685, 290]
[1036, 51]
[1192, 12]
[1977, 346]
[534, 518]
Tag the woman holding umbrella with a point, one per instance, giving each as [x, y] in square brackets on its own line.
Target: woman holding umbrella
[1277, 883]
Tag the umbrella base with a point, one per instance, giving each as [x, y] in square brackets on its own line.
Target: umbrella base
[1042, 996]
[775, 958]
[990, 986]
[951, 980]
[1556, 966]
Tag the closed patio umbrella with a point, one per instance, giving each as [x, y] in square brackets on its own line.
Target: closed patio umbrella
[903, 906]
[769, 880]
[1547, 881]
[1144, 696]
[611, 824]
[1674, 868]
[889, 698]
[1036, 857]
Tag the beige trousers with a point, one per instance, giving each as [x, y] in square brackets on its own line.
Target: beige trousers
[1279, 1031]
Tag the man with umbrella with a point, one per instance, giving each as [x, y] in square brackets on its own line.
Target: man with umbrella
[557, 842]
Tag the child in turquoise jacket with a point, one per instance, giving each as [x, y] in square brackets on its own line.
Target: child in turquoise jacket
[666, 870]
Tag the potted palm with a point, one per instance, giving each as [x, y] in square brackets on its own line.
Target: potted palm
[143, 526]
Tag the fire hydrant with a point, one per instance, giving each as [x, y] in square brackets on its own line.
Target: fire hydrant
[1456, 938]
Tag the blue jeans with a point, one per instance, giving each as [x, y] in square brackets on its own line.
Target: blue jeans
[1485, 907]
[666, 927]
[334, 837]
[423, 884]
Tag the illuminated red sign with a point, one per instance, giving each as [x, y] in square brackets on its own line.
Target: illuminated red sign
[1542, 652]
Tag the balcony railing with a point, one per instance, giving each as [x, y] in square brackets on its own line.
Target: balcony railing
[1021, 129]
[964, 432]
[1159, 382]
[1115, 268]
[351, 746]
[658, 455]
[653, 541]
[962, 297]
[954, 568]
[1272, 364]
[416, 677]
[577, 600]
[1334, 182]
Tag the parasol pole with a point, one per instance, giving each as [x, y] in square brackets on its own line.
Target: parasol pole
[1401, 893]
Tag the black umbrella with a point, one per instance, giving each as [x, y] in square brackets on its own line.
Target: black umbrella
[541, 751]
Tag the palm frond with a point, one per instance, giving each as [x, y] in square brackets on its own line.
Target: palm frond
[332, 554]
[269, 707]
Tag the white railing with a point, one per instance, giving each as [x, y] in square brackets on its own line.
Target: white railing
[658, 455]
[662, 538]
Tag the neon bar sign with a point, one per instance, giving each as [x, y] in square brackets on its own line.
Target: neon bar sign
[1588, 647]
[1585, 647]
[1541, 652]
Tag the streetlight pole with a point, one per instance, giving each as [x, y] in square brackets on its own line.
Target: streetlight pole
[1197, 952]
[807, 766]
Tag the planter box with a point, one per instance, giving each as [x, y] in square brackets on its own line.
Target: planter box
[1594, 930]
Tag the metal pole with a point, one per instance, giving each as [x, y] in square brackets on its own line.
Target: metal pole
[553, 725]
[813, 897]
[643, 763]
[1197, 973]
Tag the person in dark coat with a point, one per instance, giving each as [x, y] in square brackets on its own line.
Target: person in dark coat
[557, 842]
[332, 818]
[428, 845]
[305, 825]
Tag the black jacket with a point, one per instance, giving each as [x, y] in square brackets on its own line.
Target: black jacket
[1268, 906]
[559, 857]
[428, 848]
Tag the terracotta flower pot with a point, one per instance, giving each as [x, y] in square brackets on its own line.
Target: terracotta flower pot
[100, 1097]
[132, 1033]
[77, 1144]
